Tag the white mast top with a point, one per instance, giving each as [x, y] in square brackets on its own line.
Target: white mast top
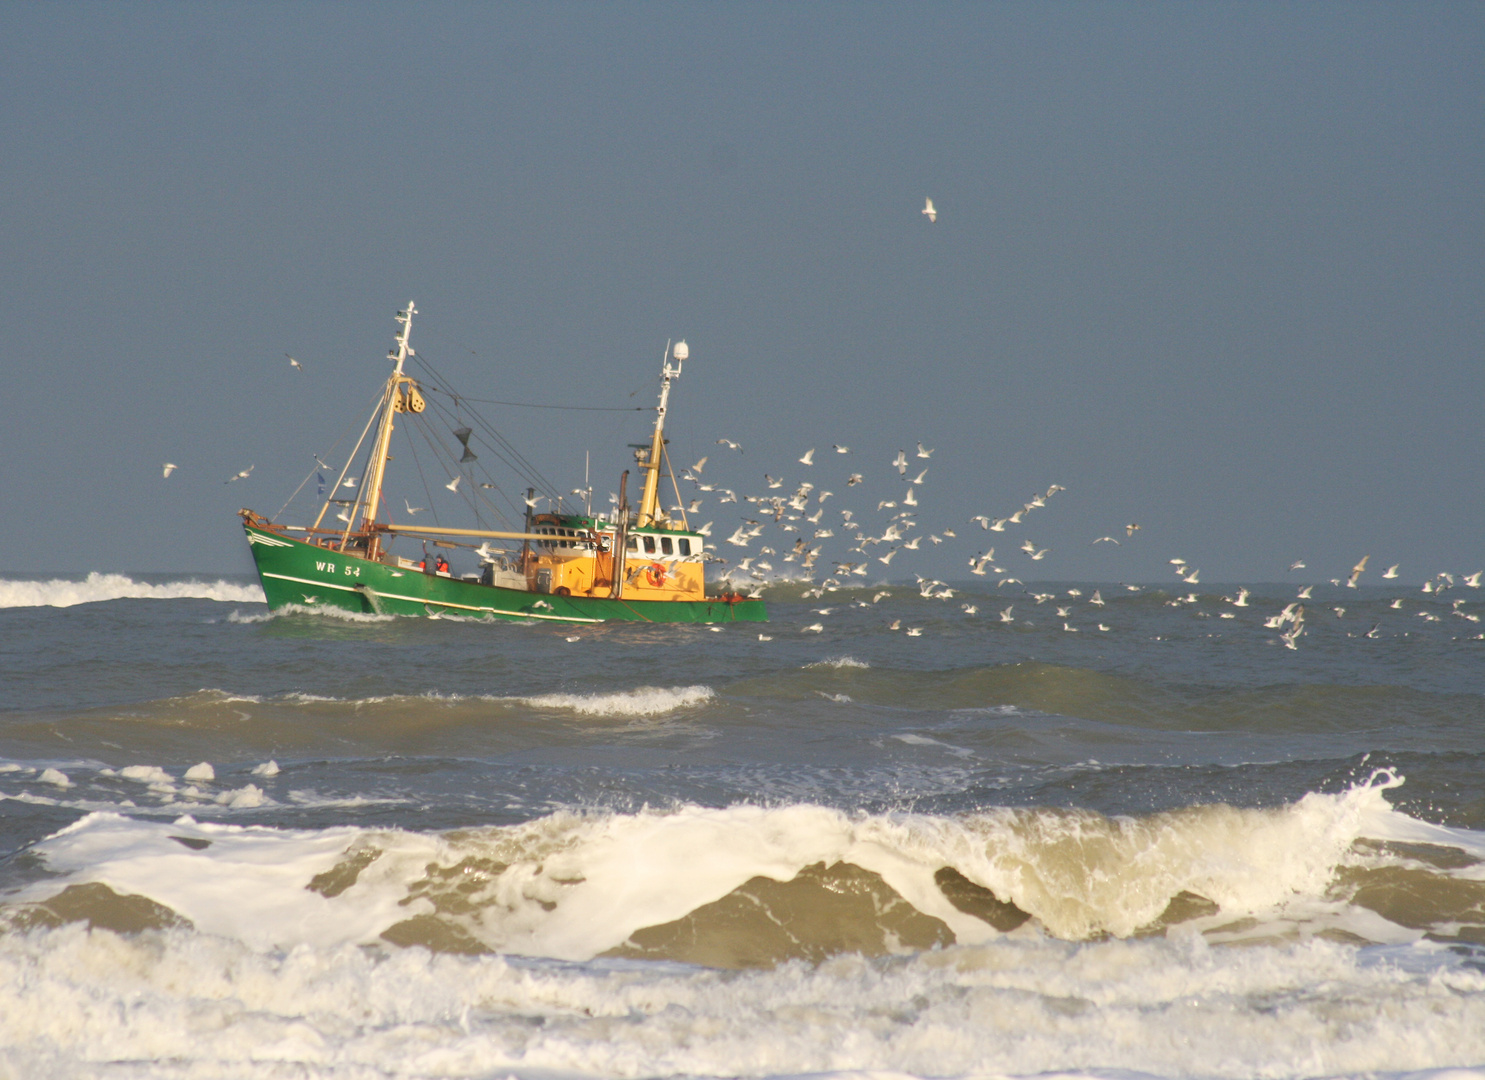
[402, 352]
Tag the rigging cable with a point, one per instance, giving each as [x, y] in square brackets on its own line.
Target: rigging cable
[520, 464]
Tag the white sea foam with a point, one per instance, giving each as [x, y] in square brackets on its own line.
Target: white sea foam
[838, 662]
[641, 701]
[65, 592]
[574, 886]
[316, 610]
[183, 1004]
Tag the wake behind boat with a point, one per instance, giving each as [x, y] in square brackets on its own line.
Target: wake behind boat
[568, 565]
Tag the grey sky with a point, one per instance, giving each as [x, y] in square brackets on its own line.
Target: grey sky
[1215, 268]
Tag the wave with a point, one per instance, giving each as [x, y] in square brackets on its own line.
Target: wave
[641, 701]
[175, 1003]
[751, 886]
[1035, 687]
[97, 587]
[289, 611]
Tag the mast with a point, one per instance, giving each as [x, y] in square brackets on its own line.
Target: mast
[649, 503]
[401, 395]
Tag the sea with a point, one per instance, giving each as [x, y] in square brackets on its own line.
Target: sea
[1072, 829]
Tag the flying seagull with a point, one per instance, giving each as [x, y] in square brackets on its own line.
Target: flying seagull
[809, 457]
[929, 212]
[453, 485]
[240, 476]
[295, 364]
[168, 468]
[411, 509]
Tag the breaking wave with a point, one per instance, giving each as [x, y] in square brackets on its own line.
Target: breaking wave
[97, 587]
[641, 701]
[750, 886]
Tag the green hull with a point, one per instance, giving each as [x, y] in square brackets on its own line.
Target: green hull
[294, 572]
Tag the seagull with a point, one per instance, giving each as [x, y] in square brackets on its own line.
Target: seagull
[929, 212]
[809, 457]
[1005, 616]
[411, 509]
[900, 463]
[1107, 539]
[814, 628]
[914, 631]
[295, 364]
[853, 479]
[1473, 580]
[919, 478]
[1297, 564]
[1391, 571]
[1304, 594]
[240, 476]
[453, 485]
[699, 466]
[1356, 572]
[729, 444]
[983, 519]
[924, 453]
[350, 481]
[839, 449]
[168, 468]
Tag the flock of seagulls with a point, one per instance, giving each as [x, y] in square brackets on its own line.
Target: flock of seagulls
[786, 522]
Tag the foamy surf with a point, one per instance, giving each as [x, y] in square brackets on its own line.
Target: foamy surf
[99, 587]
[682, 884]
[641, 701]
[173, 1002]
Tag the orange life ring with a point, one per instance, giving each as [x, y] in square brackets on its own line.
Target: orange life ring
[655, 575]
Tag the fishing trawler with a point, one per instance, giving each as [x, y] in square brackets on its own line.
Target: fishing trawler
[567, 565]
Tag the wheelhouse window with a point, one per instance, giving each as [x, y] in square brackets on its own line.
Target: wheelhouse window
[649, 545]
[665, 546]
[633, 543]
[685, 545]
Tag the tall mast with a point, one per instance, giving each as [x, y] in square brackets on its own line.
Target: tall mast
[394, 400]
[649, 503]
